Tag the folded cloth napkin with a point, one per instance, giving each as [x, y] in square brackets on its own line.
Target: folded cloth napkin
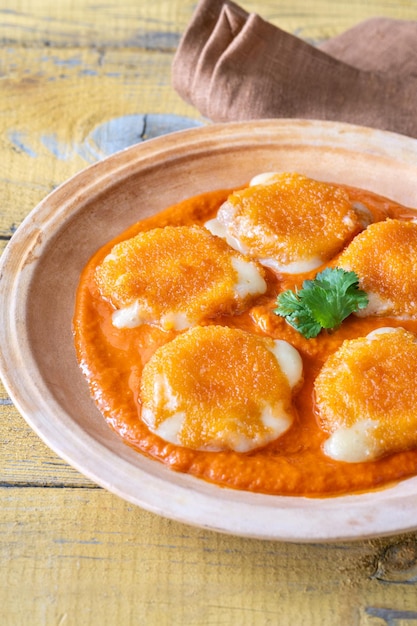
[232, 65]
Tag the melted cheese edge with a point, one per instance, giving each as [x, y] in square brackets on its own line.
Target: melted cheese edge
[300, 266]
[357, 443]
[249, 282]
[276, 419]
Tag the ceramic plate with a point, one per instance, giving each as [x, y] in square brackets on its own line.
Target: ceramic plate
[40, 271]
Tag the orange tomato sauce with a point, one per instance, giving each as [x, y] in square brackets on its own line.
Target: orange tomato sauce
[112, 360]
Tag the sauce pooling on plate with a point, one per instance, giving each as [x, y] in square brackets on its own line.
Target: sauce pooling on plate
[176, 334]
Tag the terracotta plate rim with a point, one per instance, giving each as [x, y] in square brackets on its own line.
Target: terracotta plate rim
[106, 460]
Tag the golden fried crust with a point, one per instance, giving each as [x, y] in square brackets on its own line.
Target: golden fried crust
[175, 270]
[384, 258]
[368, 387]
[216, 388]
[290, 219]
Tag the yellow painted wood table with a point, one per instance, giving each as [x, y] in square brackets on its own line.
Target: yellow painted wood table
[80, 80]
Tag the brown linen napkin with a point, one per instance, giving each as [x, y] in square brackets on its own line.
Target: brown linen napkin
[232, 65]
[379, 44]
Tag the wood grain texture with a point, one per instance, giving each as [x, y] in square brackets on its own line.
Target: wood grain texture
[159, 24]
[98, 560]
[79, 80]
[53, 107]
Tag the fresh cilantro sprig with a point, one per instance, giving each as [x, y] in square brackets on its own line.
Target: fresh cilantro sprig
[323, 302]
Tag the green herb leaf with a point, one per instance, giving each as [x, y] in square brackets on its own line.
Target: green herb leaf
[323, 302]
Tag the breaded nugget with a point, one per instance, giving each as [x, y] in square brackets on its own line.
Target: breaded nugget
[366, 396]
[218, 388]
[175, 277]
[384, 258]
[289, 222]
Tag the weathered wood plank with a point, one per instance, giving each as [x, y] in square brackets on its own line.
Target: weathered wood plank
[158, 25]
[86, 557]
[91, 90]
[24, 459]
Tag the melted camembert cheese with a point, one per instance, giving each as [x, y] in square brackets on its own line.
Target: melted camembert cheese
[367, 397]
[384, 258]
[288, 222]
[176, 277]
[219, 388]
